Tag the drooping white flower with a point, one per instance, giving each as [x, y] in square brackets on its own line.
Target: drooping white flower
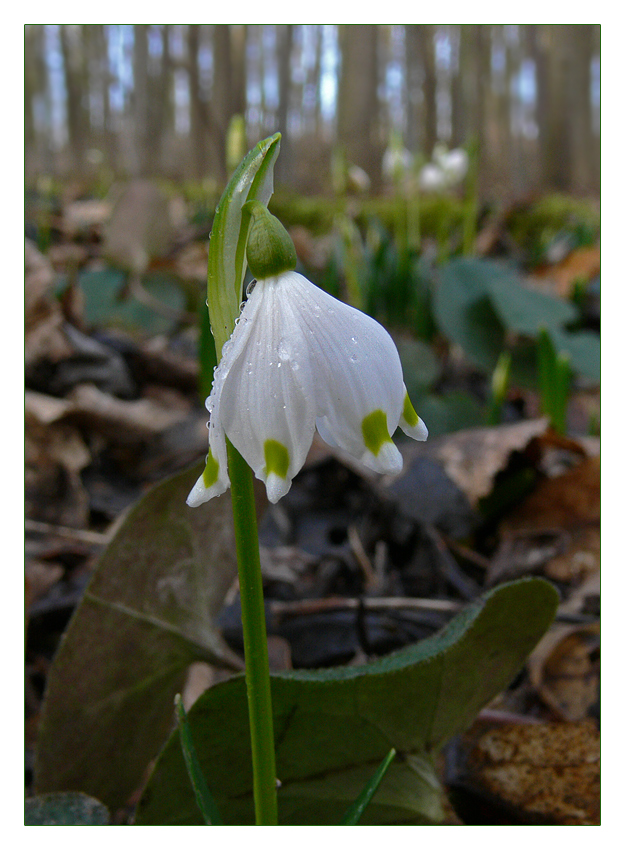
[299, 359]
[447, 169]
[432, 178]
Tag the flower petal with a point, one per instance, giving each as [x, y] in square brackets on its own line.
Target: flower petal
[410, 423]
[266, 398]
[357, 374]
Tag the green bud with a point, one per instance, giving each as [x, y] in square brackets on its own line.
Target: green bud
[270, 249]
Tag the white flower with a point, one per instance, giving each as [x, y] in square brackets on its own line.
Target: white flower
[432, 178]
[297, 360]
[452, 166]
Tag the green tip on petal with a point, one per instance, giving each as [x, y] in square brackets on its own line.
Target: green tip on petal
[211, 471]
[409, 413]
[276, 459]
[270, 249]
[410, 423]
[375, 431]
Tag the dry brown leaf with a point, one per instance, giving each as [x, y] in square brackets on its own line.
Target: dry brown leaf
[546, 772]
[564, 669]
[124, 422]
[580, 264]
[555, 529]
[40, 577]
[473, 457]
[140, 227]
[564, 666]
[43, 317]
[568, 501]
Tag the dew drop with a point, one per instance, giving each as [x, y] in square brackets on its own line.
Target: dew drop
[250, 288]
[284, 350]
[353, 358]
[354, 339]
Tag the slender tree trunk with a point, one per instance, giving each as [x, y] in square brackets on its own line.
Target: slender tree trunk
[358, 107]
[284, 42]
[140, 98]
[197, 106]
[426, 34]
[75, 86]
[458, 111]
[579, 49]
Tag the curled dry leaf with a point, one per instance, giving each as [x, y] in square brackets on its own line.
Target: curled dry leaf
[473, 457]
[43, 317]
[122, 421]
[555, 529]
[55, 453]
[564, 667]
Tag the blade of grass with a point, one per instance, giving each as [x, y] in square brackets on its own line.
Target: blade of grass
[354, 813]
[203, 796]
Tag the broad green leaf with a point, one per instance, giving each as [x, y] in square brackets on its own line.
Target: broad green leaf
[464, 312]
[333, 727]
[64, 809]
[227, 263]
[583, 349]
[147, 613]
[420, 365]
[106, 303]
[453, 411]
[524, 310]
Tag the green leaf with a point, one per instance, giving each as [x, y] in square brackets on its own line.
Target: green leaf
[107, 304]
[147, 613]
[70, 809]
[203, 796]
[524, 310]
[420, 365]
[332, 727]
[477, 302]
[253, 180]
[464, 313]
[583, 349]
[453, 411]
[355, 811]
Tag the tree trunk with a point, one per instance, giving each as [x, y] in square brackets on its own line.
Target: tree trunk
[284, 42]
[358, 98]
[140, 98]
[197, 106]
[75, 85]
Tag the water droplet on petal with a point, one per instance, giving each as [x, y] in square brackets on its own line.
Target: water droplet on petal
[354, 339]
[250, 288]
[284, 350]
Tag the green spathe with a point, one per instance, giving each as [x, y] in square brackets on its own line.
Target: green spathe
[270, 249]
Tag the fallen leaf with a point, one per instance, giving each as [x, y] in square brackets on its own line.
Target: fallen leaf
[124, 422]
[140, 227]
[472, 458]
[43, 317]
[545, 773]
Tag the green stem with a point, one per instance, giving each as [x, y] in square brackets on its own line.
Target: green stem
[254, 639]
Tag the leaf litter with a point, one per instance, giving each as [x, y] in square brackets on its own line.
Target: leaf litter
[354, 566]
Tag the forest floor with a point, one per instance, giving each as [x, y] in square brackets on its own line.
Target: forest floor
[355, 565]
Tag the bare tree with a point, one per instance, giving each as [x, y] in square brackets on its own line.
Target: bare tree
[358, 97]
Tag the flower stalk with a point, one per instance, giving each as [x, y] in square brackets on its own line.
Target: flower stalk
[254, 640]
